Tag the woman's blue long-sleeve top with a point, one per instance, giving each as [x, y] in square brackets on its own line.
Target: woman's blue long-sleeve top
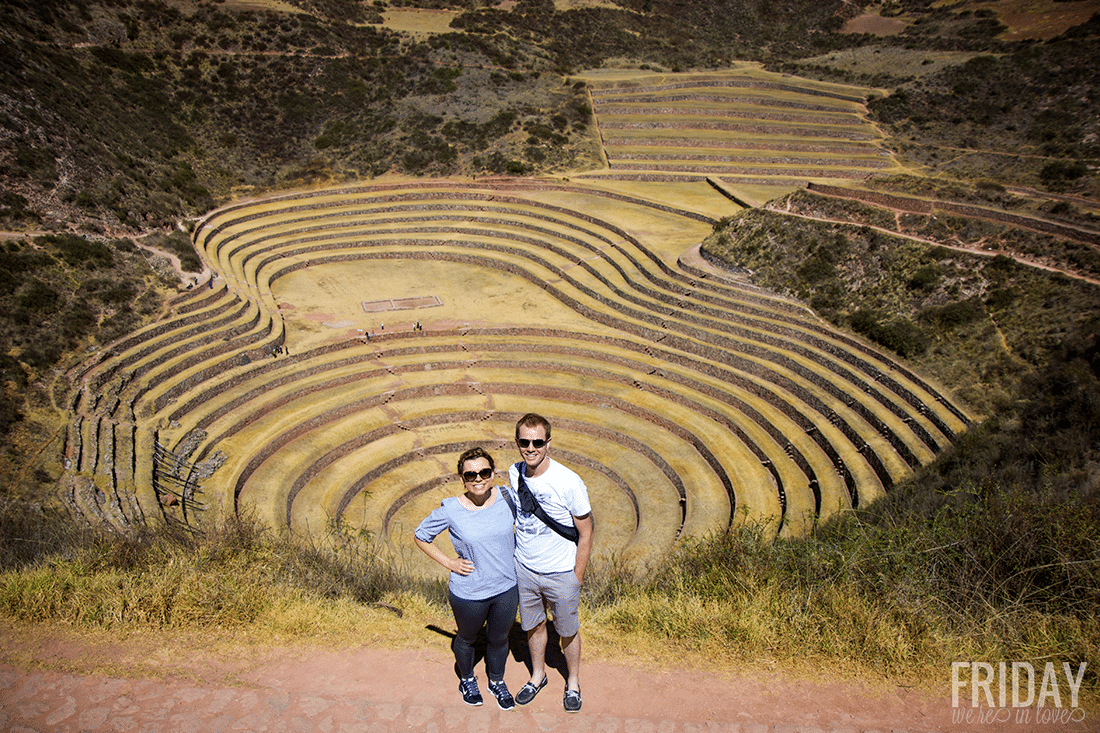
[485, 537]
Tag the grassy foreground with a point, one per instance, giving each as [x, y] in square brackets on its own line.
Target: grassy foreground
[881, 594]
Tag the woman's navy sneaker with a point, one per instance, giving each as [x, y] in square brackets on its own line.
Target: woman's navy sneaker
[500, 692]
[470, 694]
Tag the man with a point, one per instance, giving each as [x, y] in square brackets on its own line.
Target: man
[549, 567]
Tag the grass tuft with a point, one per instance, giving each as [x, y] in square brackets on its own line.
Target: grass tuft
[240, 575]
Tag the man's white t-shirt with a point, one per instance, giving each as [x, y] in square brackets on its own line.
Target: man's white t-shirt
[563, 495]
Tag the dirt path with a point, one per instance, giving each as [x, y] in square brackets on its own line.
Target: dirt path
[173, 260]
[971, 250]
[185, 278]
[378, 690]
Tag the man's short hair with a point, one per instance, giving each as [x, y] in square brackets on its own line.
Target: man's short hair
[533, 420]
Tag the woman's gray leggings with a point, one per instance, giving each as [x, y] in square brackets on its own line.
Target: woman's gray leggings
[496, 614]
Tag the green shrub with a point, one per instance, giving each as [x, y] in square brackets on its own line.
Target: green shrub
[953, 315]
[10, 415]
[9, 280]
[516, 168]
[43, 353]
[1001, 266]
[1059, 174]
[78, 251]
[1000, 298]
[39, 298]
[817, 269]
[111, 292]
[900, 335]
[130, 63]
[829, 299]
[925, 279]
[77, 321]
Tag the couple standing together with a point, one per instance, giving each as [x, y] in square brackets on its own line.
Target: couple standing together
[525, 545]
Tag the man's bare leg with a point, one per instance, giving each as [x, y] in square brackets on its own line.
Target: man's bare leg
[536, 642]
[571, 649]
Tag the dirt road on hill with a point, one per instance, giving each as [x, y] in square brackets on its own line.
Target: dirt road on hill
[376, 690]
[932, 242]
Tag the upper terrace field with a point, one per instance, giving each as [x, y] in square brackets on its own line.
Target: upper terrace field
[744, 127]
[353, 341]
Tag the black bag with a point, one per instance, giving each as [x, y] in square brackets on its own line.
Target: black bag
[530, 504]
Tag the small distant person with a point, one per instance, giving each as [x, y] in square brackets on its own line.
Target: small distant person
[553, 544]
[482, 585]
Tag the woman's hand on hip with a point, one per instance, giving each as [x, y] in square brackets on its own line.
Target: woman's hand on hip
[462, 566]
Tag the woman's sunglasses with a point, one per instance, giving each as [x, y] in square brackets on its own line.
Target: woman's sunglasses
[524, 442]
[475, 475]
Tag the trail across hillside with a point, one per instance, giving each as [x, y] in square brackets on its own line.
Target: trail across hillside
[932, 242]
[381, 690]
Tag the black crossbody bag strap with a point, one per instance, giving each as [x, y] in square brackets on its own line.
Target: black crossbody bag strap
[527, 498]
[509, 501]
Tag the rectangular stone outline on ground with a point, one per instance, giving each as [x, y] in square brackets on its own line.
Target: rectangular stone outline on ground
[400, 304]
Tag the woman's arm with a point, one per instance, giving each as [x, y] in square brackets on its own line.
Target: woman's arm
[459, 565]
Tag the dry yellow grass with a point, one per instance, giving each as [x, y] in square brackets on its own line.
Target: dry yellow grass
[419, 22]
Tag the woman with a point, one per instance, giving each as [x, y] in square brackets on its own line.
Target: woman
[482, 586]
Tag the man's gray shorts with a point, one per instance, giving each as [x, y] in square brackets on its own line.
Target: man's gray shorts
[560, 592]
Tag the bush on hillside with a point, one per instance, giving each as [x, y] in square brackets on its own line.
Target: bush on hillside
[900, 335]
[59, 293]
[952, 315]
[78, 251]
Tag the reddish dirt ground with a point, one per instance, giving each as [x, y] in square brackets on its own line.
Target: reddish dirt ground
[378, 690]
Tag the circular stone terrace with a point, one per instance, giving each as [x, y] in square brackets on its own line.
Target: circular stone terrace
[354, 341]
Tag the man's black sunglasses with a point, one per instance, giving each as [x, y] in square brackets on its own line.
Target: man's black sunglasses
[475, 475]
[524, 442]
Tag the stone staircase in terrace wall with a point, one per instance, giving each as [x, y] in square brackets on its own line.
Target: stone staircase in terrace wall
[689, 401]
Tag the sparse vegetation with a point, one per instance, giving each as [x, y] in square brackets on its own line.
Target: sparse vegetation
[965, 318]
[901, 589]
[1031, 101]
[59, 295]
[240, 576]
[130, 119]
